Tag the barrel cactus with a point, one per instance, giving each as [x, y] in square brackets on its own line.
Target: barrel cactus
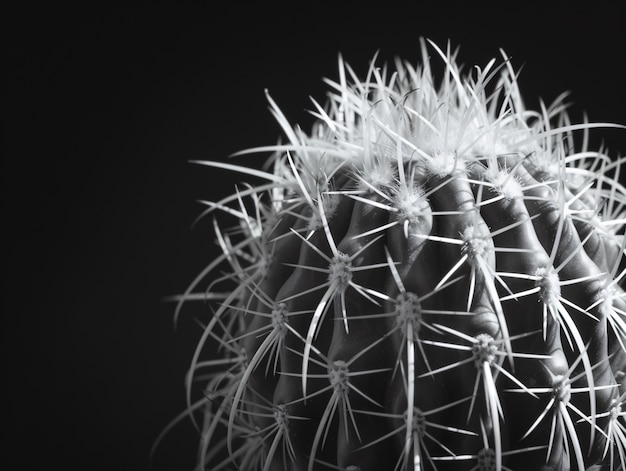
[431, 278]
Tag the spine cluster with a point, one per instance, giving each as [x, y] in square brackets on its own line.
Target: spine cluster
[430, 279]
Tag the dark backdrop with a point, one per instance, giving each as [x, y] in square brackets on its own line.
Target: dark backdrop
[104, 107]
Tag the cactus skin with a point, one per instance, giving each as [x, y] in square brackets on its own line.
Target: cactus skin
[431, 279]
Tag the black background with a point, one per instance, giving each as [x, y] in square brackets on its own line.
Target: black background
[102, 110]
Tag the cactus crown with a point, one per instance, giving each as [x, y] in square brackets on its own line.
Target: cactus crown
[432, 277]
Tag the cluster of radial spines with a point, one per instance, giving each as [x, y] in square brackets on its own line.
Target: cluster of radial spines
[392, 141]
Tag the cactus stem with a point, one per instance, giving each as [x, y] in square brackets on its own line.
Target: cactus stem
[509, 279]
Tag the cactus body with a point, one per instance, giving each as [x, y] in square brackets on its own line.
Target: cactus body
[431, 279]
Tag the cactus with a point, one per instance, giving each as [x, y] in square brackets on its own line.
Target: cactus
[432, 278]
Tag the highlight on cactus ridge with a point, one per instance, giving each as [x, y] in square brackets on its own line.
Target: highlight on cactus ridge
[432, 278]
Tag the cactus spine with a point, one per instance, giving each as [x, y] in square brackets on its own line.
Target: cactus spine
[432, 278]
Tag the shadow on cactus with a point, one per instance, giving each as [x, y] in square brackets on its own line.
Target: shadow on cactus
[431, 279]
